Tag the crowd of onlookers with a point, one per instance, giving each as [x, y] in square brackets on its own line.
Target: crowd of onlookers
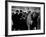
[20, 20]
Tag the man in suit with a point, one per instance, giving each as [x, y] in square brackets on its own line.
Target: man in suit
[15, 20]
[34, 17]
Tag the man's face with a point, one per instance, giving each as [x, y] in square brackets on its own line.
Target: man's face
[34, 15]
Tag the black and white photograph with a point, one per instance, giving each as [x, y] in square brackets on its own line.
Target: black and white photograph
[25, 18]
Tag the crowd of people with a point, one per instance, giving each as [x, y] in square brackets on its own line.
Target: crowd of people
[20, 20]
